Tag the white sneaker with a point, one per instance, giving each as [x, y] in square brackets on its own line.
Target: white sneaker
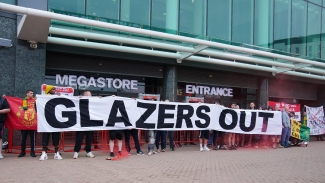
[1, 157]
[75, 155]
[150, 153]
[57, 156]
[201, 149]
[90, 155]
[154, 152]
[206, 149]
[43, 156]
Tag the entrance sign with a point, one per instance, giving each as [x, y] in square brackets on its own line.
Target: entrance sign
[63, 113]
[82, 81]
[206, 90]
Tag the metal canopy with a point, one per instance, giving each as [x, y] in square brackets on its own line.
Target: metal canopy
[178, 47]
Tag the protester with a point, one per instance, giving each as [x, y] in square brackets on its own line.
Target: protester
[4, 110]
[286, 127]
[250, 136]
[240, 138]
[171, 137]
[151, 134]
[232, 136]
[80, 135]
[203, 138]
[28, 102]
[50, 90]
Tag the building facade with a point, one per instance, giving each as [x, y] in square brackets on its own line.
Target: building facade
[237, 50]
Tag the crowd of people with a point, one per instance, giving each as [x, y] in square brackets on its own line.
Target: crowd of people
[218, 140]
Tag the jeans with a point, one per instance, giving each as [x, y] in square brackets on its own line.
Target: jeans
[211, 137]
[285, 136]
[161, 136]
[171, 139]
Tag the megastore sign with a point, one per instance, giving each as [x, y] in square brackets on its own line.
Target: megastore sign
[100, 82]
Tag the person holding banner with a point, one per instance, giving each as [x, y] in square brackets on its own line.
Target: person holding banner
[4, 110]
[232, 136]
[80, 135]
[250, 136]
[50, 90]
[28, 102]
[286, 127]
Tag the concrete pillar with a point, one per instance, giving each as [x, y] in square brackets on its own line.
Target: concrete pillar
[263, 92]
[170, 83]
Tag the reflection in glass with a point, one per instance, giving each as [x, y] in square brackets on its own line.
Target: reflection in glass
[193, 16]
[136, 11]
[299, 24]
[8, 1]
[282, 16]
[99, 9]
[319, 2]
[70, 7]
[263, 27]
[242, 25]
[219, 19]
[165, 14]
[313, 31]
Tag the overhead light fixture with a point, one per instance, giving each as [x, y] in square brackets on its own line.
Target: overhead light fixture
[100, 63]
[210, 75]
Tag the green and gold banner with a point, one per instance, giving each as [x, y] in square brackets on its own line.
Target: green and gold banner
[299, 131]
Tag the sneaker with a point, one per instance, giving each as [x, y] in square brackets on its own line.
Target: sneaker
[43, 156]
[280, 146]
[256, 147]
[5, 145]
[206, 149]
[234, 148]
[150, 153]
[90, 155]
[230, 148]
[172, 149]
[201, 149]
[129, 153]
[215, 148]
[154, 152]
[112, 154]
[140, 153]
[57, 156]
[1, 157]
[223, 147]
[266, 147]
[75, 155]
[163, 150]
[158, 150]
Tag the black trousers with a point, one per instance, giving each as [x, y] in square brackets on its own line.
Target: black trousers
[24, 134]
[55, 138]
[79, 136]
[134, 133]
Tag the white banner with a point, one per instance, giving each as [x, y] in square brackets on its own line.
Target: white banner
[64, 113]
[315, 120]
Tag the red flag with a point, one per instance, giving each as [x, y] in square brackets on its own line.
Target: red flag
[18, 118]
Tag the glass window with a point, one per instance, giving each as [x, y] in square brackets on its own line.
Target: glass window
[323, 35]
[193, 16]
[103, 9]
[219, 19]
[165, 14]
[282, 16]
[313, 30]
[299, 24]
[319, 2]
[242, 25]
[8, 1]
[68, 7]
[263, 30]
[136, 11]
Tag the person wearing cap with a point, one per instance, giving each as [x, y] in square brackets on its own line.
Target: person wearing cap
[50, 90]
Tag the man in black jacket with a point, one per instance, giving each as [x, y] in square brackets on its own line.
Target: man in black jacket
[4, 110]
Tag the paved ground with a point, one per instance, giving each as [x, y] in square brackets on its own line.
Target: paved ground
[186, 164]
